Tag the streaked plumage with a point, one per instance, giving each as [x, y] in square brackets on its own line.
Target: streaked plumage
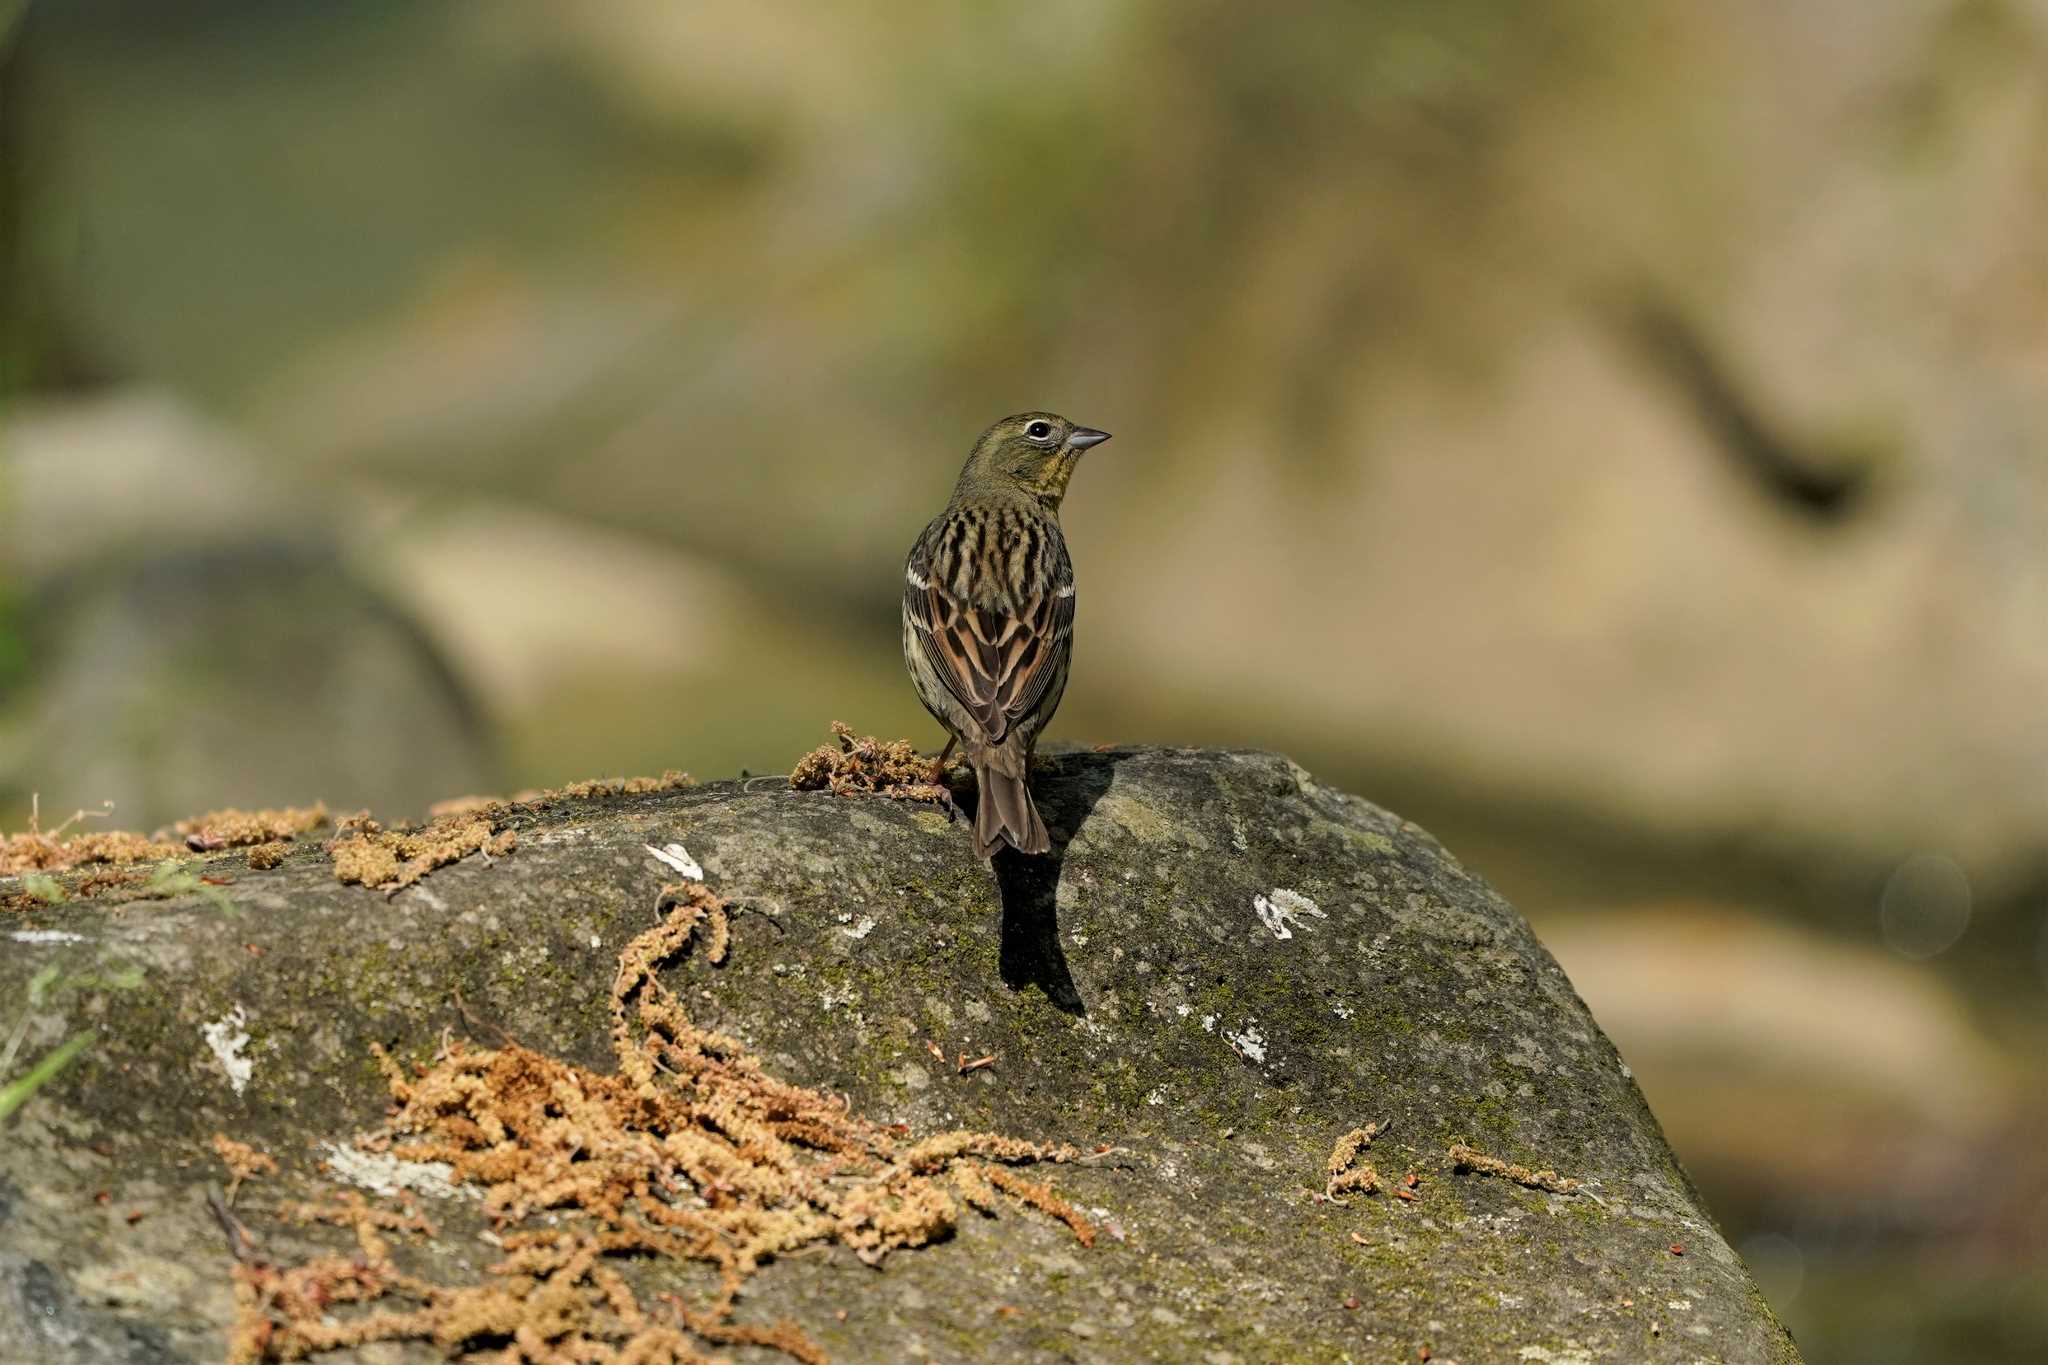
[988, 614]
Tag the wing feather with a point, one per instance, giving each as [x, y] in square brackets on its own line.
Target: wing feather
[1000, 657]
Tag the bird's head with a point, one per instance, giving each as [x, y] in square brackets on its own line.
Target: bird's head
[1032, 452]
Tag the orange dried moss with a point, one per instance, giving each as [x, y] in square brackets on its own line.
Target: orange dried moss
[366, 854]
[350, 1210]
[860, 765]
[690, 1151]
[36, 852]
[671, 780]
[244, 829]
[244, 1162]
[93, 883]
[1465, 1158]
[1346, 1173]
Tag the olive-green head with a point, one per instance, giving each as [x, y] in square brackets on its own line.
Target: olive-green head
[1032, 453]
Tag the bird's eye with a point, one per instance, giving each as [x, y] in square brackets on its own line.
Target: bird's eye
[1038, 431]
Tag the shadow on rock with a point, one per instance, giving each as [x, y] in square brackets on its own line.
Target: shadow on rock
[1066, 789]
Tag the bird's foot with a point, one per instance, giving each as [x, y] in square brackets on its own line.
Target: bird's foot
[947, 804]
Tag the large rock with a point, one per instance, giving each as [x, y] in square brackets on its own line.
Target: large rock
[1223, 969]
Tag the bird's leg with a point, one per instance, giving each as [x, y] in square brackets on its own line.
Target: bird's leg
[938, 779]
[939, 764]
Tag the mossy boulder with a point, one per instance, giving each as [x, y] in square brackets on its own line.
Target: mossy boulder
[1222, 970]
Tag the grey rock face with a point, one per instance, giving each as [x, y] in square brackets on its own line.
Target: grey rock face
[42, 1320]
[1223, 969]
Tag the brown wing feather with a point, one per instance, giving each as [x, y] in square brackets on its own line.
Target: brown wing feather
[998, 663]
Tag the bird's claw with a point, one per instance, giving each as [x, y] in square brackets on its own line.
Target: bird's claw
[947, 804]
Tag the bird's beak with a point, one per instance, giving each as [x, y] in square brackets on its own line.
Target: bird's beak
[1080, 438]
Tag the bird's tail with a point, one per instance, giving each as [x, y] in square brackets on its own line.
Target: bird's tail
[1005, 813]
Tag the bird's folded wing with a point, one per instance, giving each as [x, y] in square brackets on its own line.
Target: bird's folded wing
[997, 663]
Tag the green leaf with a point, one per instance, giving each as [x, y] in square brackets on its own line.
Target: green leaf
[174, 879]
[16, 1093]
[44, 888]
[40, 984]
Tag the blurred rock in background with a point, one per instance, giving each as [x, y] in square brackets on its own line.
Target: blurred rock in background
[192, 636]
[1612, 436]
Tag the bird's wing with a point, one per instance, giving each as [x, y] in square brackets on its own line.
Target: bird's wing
[997, 663]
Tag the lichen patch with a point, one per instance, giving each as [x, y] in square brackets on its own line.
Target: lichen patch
[1247, 1043]
[1283, 911]
[226, 1037]
[384, 1174]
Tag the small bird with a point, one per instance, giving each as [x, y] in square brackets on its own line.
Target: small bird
[988, 614]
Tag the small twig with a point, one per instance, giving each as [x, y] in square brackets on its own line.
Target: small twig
[242, 1243]
[1097, 1158]
[477, 1026]
[35, 821]
[737, 907]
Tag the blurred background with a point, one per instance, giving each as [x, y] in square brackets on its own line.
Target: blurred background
[1615, 436]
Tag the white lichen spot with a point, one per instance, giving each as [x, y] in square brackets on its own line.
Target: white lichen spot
[1571, 1353]
[861, 930]
[227, 1037]
[384, 1174]
[833, 999]
[1341, 1010]
[1251, 1043]
[1281, 911]
[45, 936]
[1183, 1010]
[1208, 1023]
[426, 898]
[596, 942]
[1157, 1095]
[678, 857]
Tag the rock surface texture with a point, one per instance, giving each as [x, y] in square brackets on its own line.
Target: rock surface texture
[1222, 970]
